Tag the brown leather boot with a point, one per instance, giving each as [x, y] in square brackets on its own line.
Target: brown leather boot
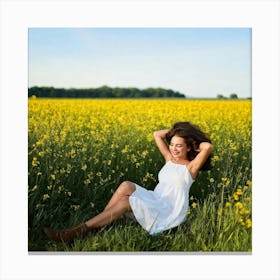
[67, 235]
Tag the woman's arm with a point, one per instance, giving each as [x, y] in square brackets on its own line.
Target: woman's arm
[205, 149]
[163, 148]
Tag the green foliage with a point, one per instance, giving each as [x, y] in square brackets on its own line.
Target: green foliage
[220, 96]
[233, 96]
[103, 92]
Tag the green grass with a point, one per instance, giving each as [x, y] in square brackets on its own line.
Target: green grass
[206, 230]
[192, 236]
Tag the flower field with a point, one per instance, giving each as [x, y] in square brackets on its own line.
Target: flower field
[79, 151]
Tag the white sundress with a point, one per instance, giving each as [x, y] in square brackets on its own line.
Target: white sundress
[165, 207]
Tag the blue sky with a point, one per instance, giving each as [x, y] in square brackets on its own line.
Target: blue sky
[198, 62]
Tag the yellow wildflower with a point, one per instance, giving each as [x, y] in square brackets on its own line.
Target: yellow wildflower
[249, 223]
[35, 162]
[249, 183]
[239, 192]
[194, 205]
[87, 182]
[235, 196]
[239, 205]
[46, 196]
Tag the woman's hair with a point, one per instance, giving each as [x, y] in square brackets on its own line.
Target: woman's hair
[193, 137]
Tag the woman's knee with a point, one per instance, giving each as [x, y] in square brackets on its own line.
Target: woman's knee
[126, 188]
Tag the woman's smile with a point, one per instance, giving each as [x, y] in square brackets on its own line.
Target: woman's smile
[178, 147]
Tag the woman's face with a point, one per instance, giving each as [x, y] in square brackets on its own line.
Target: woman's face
[178, 148]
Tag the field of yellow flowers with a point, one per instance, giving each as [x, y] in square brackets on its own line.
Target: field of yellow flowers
[79, 151]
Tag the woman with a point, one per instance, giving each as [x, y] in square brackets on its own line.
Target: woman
[187, 152]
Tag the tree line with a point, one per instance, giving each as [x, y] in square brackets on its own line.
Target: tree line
[103, 92]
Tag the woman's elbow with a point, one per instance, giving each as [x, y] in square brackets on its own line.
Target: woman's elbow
[206, 146]
[156, 134]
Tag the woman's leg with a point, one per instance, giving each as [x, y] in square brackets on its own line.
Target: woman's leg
[117, 206]
[104, 218]
[110, 214]
[126, 188]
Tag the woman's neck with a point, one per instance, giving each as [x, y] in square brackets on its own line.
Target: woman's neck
[180, 160]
